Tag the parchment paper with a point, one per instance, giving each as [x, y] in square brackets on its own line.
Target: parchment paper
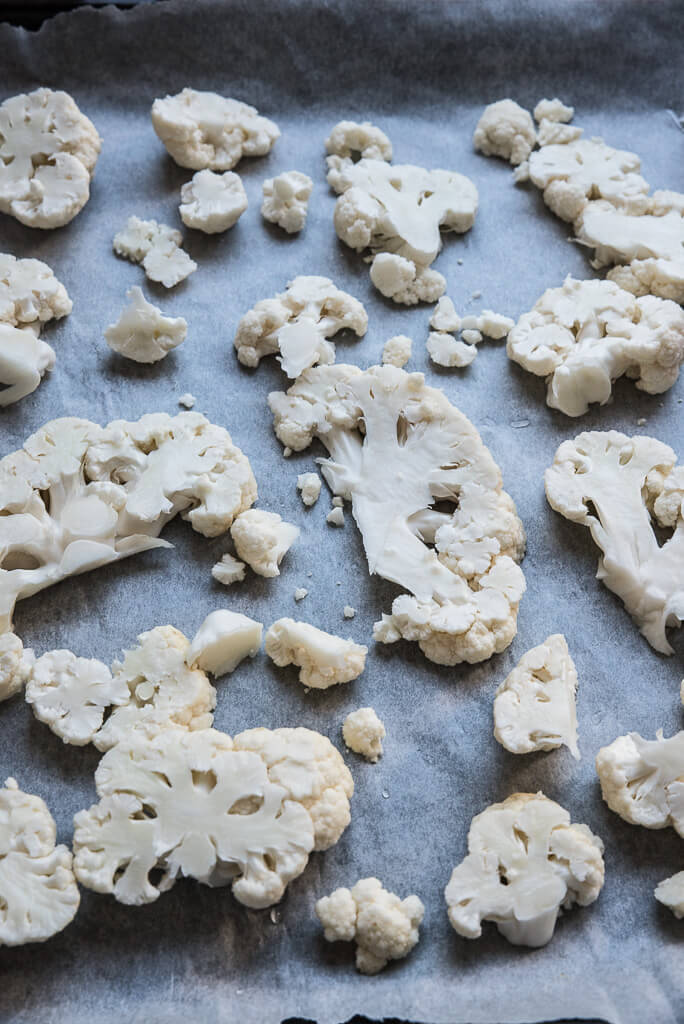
[423, 72]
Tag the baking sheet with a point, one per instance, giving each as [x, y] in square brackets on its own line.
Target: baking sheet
[423, 72]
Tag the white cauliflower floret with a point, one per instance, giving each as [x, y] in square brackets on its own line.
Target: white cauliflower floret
[158, 248]
[445, 319]
[534, 707]
[228, 570]
[297, 323]
[187, 400]
[309, 486]
[363, 732]
[643, 780]
[286, 200]
[212, 202]
[262, 539]
[323, 659]
[553, 110]
[142, 332]
[335, 516]
[670, 893]
[16, 665]
[223, 640]
[445, 350]
[349, 142]
[384, 926]
[397, 351]
[505, 129]
[551, 133]
[24, 359]
[30, 294]
[405, 283]
[48, 152]
[38, 891]
[525, 862]
[204, 130]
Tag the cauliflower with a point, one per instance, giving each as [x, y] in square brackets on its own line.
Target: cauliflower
[553, 110]
[286, 200]
[262, 539]
[445, 319]
[350, 141]
[187, 400]
[38, 891]
[30, 294]
[296, 324]
[24, 359]
[323, 659]
[506, 130]
[228, 571]
[525, 861]
[534, 708]
[643, 780]
[335, 516]
[203, 130]
[405, 283]
[142, 332]
[446, 350]
[16, 665]
[670, 893]
[397, 351]
[158, 248]
[212, 202]
[615, 485]
[348, 611]
[222, 641]
[385, 927]
[586, 334]
[48, 152]
[396, 448]
[309, 486]
[363, 732]
[240, 812]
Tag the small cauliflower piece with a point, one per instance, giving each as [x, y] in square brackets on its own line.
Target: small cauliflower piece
[16, 665]
[397, 351]
[534, 707]
[348, 611]
[286, 200]
[384, 926]
[643, 780]
[405, 283]
[187, 400]
[363, 732]
[505, 129]
[158, 248]
[349, 142]
[300, 593]
[335, 516]
[323, 659]
[142, 332]
[262, 539]
[223, 640]
[212, 202]
[309, 486]
[24, 360]
[30, 294]
[204, 130]
[445, 350]
[525, 862]
[670, 893]
[445, 319]
[228, 570]
[553, 110]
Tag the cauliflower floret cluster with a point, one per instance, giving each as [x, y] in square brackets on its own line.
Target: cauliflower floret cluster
[262, 539]
[322, 658]
[142, 332]
[24, 359]
[349, 142]
[506, 130]
[228, 570]
[309, 486]
[643, 780]
[363, 732]
[286, 200]
[158, 248]
[397, 351]
[223, 640]
[212, 202]
[30, 294]
[405, 282]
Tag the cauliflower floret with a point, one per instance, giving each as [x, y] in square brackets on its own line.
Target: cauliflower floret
[553, 110]
[446, 350]
[228, 570]
[30, 294]
[349, 142]
[670, 893]
[505, 129]
[16, 665]
[309, 486]
[212, 202]
[223, 640]
[363, 732]
[187, 400]
[445, 319]
[286, 200]
[397, 351]
[405, 283]
[323, 659]
[142, 332]
[551, 133]
[335, 516]
[158, 248]
[262, 539]
[643, 780]
[384, 926]
[24, 359]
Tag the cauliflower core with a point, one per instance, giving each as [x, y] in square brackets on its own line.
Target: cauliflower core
[525, 861]
[262, 539]
[30, 294]
[323, 659]
[158, 248]
[363, 732]
[24, 359]
[618, 486]
[309, 486]
[670, 893]
[297, 323]
[286, 200]
[228, 571]
[212, 202]
[142, 332]
[397, 351]
[384, 927]
[643, 780]
[506, 130]
[222, 641]
[534, 708]
[397, 447]
[349, 142]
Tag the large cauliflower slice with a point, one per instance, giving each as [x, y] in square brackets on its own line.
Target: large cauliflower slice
[324, 659]
[24, 359]
[30, 294]
[617, 485]
[586, 334]
[38, 891]
[643, 780]
[398, 447]
[525, 861]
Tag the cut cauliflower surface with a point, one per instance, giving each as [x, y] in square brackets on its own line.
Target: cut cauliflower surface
[30, 294]
[349, 142]
[670, 892]
[212, 202]
[586, 334]
[405, 283]
[48, 152]
[223, 640]
[505, 129]
[16, 665]
[204, 130]
[322, 658]
[363, 732]
[397, 351]
[384, 926]
[286, 200]
[24, 360]
[158, 248]
[534, 708]
[643, 780]
[228, 570]
[525, 862]
[396, 448]
[445, 319]
[309, 486]
[142, 332]
[296, 324]
[617, 486]
[445, 350]
[262, 539]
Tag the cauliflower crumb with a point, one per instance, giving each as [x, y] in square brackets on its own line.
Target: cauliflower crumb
[350, 612]
[262, 539]
[363, 732]
[397, 351]
[323, 659]
[641, 422]
[286, 200]
[228, 571]
[187, 399]
[506, 130]
[309, 486]
[335, 516]
[471, 337]
[337, 502]
[300, 593]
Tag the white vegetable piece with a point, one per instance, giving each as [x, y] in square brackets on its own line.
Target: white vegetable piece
[223, 640]
[286, 200]
[30, 294]
[643, 780]
[534, 707]
[586, 334]
[38, 891]
[48, 152]
[348, 611]
[78, 496]
[229, 570]
[403, 281]
[335, 516]
[297, 323]
[384, 926]
[525, 861]
[212, 202]
[323, 659]
[158, 248]
[670, 893]
[300, 593]
[142, 332]
[204, 130]
[445, 319]
[245, 812]
[445, 350]
[397, 351]
[16, 665]
[396, 448]
[349, 142]
[262, 539]
[187, 400]
[309, 486]
[24, 359]
[363, 732]
[553, 110]
[505, 129]
[71, 695]
[615, 484]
